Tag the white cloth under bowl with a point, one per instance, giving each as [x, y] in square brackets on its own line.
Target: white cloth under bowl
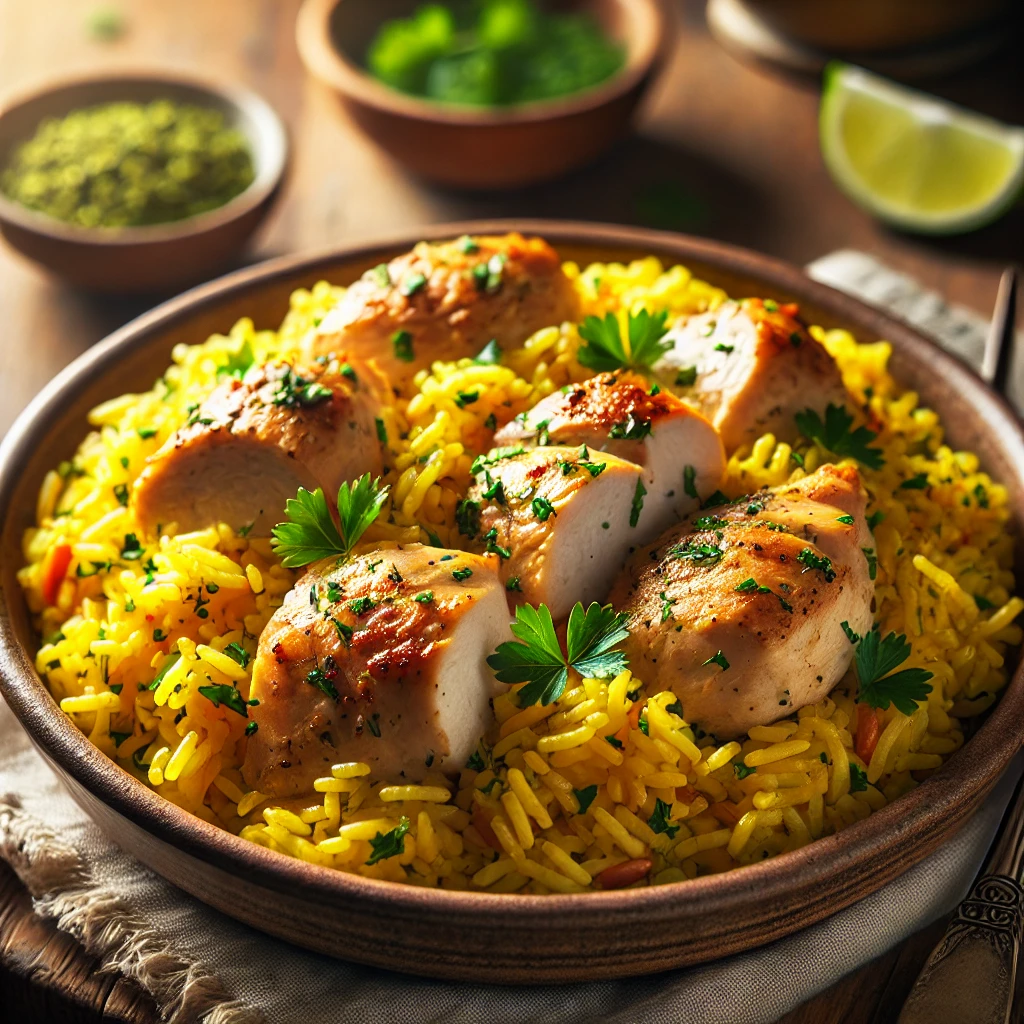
[200, 965]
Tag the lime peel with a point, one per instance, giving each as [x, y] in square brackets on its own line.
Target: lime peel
[913, 160]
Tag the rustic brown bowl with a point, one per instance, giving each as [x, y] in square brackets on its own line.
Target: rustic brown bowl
[480, 935]
[472, 147]
[158, 258]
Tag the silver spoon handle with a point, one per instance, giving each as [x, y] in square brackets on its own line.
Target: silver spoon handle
[969, 977]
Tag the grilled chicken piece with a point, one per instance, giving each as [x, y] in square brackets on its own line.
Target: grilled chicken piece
[562, 520]
[446, 301]
[250, 446]
[735, 654]
[679, 450]
[375, 661]
[756, 368]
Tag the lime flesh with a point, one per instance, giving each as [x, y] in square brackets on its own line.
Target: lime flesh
[915, 161]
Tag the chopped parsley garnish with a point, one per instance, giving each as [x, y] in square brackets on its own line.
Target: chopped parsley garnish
[718, 659]
[493, 456]
[464, 398]
[983, 603]
[585, 797]
[848, 520]
[318, 678]
[872, 560]
[401, 345]
[852, 635]
[686, 377]
[293, 391]
[915, 483]
[121, 493]
[462, 574]
[373, 724]
[874, 519]
[741, 770]
[604, 350]
[236, 652]
[238, 362]
[512, 583]
[344, 632]
[159, 636]
[675, 708]
[467, 517]
[389, 844]
[699, 554]
[119, 737]
[489, 355]
[495, 491]
[858, 778]
[835, 435]
[709, 523]
[251, 728]
[811, 561]
[880, 686]
[722, 347]
[132, 550]
[750, 586]
[475, 762]
[981, 495]
[660, 820]
[637, 505]
[690, 483]
[362, 605]
[382, 431]
[614, 741]
[310, 532]
[226, 695]
[146, 432]
[381, 275]
[493, 547]
[542, 509]
[715, 500]
[467, 245]
[536, 657]
[666, 606]
[631, 429]
[424, 597]
[412, 283]
[172, 660]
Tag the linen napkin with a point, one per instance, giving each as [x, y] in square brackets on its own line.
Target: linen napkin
[201, 966]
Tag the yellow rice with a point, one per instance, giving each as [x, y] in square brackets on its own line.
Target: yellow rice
[552, 804]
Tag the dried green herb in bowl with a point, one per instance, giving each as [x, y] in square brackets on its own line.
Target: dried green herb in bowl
[127, 164]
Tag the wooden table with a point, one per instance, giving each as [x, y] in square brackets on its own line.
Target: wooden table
[724, 150]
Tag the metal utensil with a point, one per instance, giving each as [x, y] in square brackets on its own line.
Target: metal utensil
[995, 363]
[970, 976]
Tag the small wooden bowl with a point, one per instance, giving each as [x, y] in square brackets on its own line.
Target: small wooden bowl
[157, 258]
[484, 936]
[471, 147]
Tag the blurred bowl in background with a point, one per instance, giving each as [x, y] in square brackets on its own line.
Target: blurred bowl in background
[475, 147]
[151, 258]
[866, 26]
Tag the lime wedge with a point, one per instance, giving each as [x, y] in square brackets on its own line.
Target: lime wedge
[915, 161]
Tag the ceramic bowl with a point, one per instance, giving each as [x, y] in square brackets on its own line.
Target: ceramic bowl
[472, 147]
[157, 258]
[483, 936]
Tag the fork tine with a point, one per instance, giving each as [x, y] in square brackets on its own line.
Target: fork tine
[995, 364]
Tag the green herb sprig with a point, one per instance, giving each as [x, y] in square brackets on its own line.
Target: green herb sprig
[604, 349]
[310, 532]
[835, 435]
[880, 686]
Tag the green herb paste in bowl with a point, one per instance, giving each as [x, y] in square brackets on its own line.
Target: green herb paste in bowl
[124, 164]
[492, 53]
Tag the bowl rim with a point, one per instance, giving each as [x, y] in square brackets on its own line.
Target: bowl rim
[328, 64]
[924, 808]
[273, 143]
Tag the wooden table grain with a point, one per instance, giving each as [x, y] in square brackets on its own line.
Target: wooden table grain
[723, 150]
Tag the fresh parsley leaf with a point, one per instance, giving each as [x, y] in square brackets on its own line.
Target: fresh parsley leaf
[542, 509]
[741, 771]
[699, 554]
[536, 657]
[475, 762]
[604, 349]
[318, 677]
[660, 820]
[858, 778]
[238, 362]
[675, 708]
[251, 728]
[983, 603]
[424, 596]
[630, 429]
[880, 686]
[835, 435]
[389, 844]
[686, 377]
[171, 661]
[872, 560]
[412, 283]
[585, 797]
[690, 483]
[310, 532]
[401, 344]
[851, 634]
[848, 520]
[226, 695]
[462, 574]
[236, 652]
[467, 517]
